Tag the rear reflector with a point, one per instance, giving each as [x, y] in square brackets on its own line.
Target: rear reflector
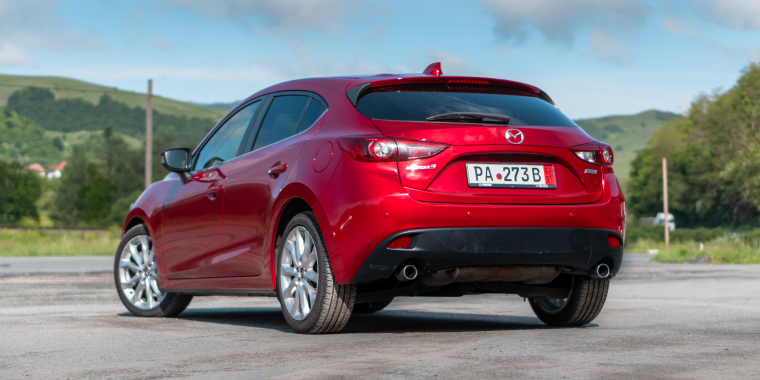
[403, 242]
[614, 242]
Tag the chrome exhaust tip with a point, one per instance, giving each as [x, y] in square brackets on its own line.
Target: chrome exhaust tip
[601, 271]
[407, 273]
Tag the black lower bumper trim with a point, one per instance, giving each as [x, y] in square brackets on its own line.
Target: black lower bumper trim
[436, 249]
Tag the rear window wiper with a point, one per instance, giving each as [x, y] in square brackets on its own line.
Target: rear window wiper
[469, 117]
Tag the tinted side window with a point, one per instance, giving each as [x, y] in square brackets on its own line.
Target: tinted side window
[223, 145]
[281, 120]
[314, 111]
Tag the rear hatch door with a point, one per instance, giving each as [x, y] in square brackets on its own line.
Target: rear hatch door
[536, 137]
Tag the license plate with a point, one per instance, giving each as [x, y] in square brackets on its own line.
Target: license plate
[511, 175]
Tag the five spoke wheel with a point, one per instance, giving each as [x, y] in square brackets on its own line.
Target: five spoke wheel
[299, 277]
[137, 273]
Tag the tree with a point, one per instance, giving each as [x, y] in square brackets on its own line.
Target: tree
[713, 160]
[66, 209]
[19, 191]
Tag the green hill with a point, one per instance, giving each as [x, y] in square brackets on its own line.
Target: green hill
[626, 134]
[65, 88]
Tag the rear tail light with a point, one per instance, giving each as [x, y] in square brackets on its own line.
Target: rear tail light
[606, 153]
[413, 150]
[385, 149]
[595, 153]
[369, 148]
[403, 242]
[587, 155]
[614, 242]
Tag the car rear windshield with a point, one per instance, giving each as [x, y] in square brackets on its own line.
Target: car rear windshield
[418, 102]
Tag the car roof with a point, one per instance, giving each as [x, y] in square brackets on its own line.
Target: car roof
[327, 86]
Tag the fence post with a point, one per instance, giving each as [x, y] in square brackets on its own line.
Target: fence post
[149, 135]
[665, 198]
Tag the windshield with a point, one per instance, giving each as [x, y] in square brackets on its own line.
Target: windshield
[419, 102]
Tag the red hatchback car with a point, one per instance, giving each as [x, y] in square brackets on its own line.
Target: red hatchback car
[339, 194]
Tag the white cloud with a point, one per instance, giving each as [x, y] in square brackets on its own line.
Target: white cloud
[280, 16]
[609, 48]
[732, 14]
[682, 26]
[160, 43]
[453, 64]
[13, 56]
[33, 24]
[559, 21]
[613, 22]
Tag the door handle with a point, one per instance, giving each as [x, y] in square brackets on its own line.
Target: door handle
[214, 191]
[278, 169]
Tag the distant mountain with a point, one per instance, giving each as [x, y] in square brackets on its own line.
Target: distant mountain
[627, 134]
[65, 88]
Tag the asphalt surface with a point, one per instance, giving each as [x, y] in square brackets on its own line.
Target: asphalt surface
[48, 265]
[661, 321]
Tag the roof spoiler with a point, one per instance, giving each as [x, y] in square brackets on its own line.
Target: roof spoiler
[434, 70]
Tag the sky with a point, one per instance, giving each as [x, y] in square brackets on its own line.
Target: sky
[593, 57]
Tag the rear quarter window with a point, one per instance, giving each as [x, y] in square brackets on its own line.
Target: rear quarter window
[282, 119]
[418, 102]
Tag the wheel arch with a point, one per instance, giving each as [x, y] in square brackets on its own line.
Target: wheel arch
[296, 198]
[133, 222]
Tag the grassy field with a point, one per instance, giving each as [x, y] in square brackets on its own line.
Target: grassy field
[15, 243]
[699, 245]
[72, 88]
[626, 134]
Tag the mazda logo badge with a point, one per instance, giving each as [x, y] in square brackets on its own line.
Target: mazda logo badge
[515, 136]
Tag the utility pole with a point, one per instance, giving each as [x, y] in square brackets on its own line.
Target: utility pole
[665, 198]
[149, 135]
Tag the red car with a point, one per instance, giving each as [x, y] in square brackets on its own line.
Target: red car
[338, 194]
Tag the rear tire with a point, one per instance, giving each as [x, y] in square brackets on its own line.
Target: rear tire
[371, 307]
[309, 306]
[135, 274]
[583, 304]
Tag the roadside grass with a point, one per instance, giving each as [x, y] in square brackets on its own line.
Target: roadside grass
[722, 250]
[19, 243]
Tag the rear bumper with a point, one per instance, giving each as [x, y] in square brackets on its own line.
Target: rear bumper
[442, 248]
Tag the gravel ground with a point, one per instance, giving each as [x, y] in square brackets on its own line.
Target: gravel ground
[661, 321]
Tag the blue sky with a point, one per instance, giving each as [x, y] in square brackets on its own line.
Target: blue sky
[594, 57]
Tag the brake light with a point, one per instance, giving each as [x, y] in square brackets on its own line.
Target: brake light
[606, 154]
[614, 242]
[369, 148]
[586, 155]
[597, 153]
[468, 81]
[386, 149]
[413, 150]
[403, 242]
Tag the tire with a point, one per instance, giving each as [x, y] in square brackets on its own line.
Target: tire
[371, 307]
[325, 309]
[150, 301]
[583, 304]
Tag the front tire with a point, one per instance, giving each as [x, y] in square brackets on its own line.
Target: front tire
[583, 304]
[312, 301]
[136, 277]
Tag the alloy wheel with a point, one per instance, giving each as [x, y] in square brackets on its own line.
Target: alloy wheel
[138, 275]
[299, 277]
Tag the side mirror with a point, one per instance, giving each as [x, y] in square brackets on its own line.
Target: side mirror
[177, 160]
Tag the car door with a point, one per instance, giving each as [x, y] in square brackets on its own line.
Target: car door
[257, 178]
[192, 220]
